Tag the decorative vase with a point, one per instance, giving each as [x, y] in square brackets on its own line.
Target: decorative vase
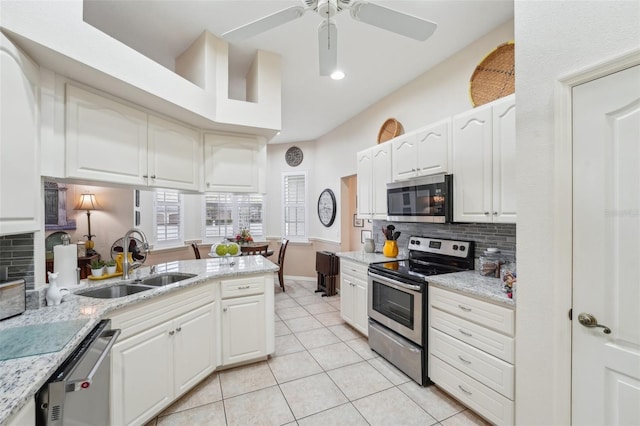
[54, 294]
[369, 245]
[390, 248]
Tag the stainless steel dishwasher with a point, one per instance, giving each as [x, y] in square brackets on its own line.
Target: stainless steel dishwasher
[78, 392]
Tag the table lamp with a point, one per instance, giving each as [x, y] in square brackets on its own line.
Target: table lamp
[88, 202]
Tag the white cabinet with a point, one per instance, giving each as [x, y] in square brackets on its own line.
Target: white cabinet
[484, 163]
[422, 153]
[19, 161]
[353, 294]
[243, 322]
[26, 416]
[374, 172]
[108, 141]
[174, 155]
[166, 347]
[472, 353]
[235, 163]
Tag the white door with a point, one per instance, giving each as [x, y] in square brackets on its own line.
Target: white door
[364, 168]
[243, 330]
[380, 176]
[404, 157]
[606, 250]
[433, 149]
[504, 161]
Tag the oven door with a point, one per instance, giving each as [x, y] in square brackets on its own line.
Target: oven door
[396, 305]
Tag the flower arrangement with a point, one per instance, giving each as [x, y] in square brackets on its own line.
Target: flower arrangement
[244, 236]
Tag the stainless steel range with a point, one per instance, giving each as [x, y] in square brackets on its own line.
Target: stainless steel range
[397, 303]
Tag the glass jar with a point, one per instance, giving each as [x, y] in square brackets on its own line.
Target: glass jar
[490, 262]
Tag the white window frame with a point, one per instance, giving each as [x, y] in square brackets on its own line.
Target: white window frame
[305, 237]
[234, 217]
[179, 242]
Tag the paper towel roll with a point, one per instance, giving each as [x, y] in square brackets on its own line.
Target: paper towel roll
[65, 262]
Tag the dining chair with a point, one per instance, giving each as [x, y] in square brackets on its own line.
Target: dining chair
[254, 249]
[280, 263]
[196, 250]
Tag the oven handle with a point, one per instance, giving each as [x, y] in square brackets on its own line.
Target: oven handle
[395, 284]
[77, 385]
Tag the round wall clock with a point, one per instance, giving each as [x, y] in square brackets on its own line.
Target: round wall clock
[327, 207]
[293, 156]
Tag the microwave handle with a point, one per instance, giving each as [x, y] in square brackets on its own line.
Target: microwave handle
[81, 384]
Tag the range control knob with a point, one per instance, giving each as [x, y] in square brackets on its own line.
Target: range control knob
[462, 248]
[417, 242]
[455, 247]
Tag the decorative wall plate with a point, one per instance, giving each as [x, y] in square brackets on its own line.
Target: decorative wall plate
[293, 156]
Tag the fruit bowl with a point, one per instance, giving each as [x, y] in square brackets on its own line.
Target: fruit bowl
[224, 249]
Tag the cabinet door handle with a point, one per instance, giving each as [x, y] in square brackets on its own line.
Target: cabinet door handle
[463, 360]
[179, 329]
[465, 333]
[153, 176]
[464, 390]
[145, 176]
[172, 332]
[486, 213]
[208, 184]
[495, 213]
[464, 308]
[244, 287]
[225, 309]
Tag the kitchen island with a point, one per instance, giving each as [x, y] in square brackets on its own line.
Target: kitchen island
[23, 377]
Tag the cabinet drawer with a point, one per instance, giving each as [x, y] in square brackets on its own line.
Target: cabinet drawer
[486, 402]
[242, 287]
[355, 269]
[480, 337]
[489, 315]
[487, 369]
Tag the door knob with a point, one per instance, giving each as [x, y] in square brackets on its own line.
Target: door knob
[590, 321]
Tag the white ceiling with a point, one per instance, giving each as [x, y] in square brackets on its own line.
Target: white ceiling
[376, 62]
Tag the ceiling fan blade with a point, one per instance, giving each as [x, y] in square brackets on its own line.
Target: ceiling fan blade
[392, 20]
[264, 24]
[328, 47]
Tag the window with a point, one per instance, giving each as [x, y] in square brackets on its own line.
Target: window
[294, 191]
[226, 214]
[168, 226]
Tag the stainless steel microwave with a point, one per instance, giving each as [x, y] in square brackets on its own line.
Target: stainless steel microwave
[424, 199]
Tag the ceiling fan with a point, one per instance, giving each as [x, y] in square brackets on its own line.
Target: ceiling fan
[369, 13]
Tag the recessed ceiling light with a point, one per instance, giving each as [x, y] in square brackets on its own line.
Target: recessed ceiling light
[337, 75]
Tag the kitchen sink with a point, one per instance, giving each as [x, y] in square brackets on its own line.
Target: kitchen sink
[113, 292]
[164, 279]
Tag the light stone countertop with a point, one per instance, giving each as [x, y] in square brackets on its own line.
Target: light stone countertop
[23, 377]
[471, 283]
[367, 258]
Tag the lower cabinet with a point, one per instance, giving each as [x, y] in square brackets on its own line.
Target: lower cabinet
[26, 416]
[471, 353]
[243, 320]
[353, 294]
[166, 347]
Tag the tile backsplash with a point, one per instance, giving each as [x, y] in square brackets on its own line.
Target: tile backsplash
[16, 254]
[500, 235]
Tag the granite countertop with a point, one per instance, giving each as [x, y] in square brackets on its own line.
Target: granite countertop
[23, 377]
[367, 258]
[471, 283]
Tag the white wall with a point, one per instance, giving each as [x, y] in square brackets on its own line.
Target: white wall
[553, 38]
[440, 92]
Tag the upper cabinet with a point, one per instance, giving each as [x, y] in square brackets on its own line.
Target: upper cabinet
[19, 161]
[483, 163]
[235, 163]
[374, 172]
[108, 141]
[422, 153]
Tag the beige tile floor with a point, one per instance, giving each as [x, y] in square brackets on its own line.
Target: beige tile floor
[322, 373]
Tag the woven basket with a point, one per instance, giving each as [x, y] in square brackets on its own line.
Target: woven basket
[495, 76]
[389, 130]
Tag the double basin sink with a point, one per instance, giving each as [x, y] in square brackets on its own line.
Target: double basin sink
[136, 286]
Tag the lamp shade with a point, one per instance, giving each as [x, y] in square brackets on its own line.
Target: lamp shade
[87, 202]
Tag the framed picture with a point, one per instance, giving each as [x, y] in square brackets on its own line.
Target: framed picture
[364, 234]
[357, 223]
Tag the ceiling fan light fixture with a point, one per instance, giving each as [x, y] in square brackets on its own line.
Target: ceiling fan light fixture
[337, 75]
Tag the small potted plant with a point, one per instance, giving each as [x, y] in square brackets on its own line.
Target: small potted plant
[97, 268]
[111, 266]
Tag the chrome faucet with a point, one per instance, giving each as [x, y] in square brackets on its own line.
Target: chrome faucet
[126, 266]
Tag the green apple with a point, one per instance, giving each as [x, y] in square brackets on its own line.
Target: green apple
[232, 249]
[221, 249]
